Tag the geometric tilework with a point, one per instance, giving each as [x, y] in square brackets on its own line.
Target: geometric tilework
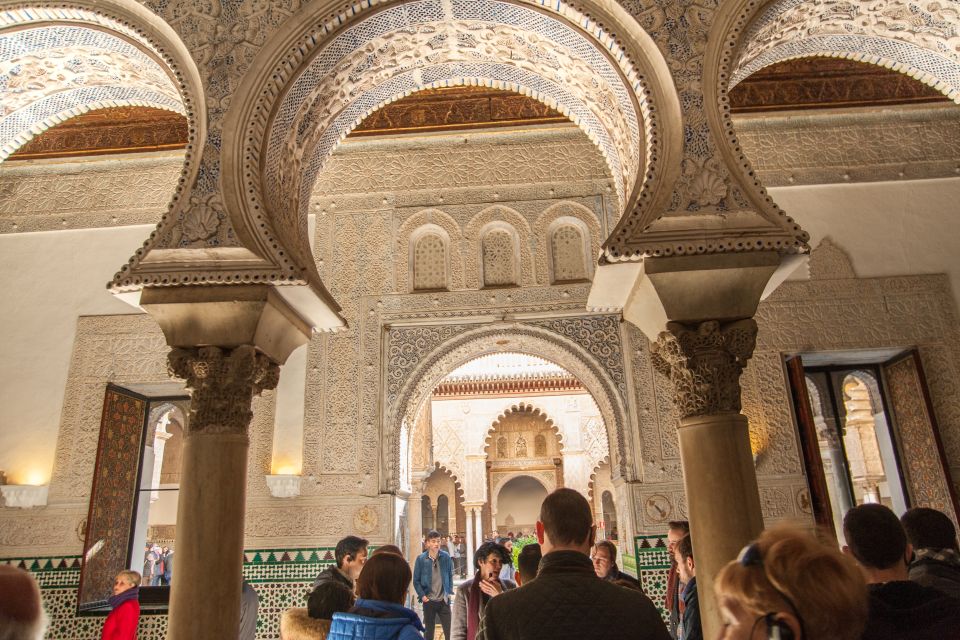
[653, 566]
[281, 577]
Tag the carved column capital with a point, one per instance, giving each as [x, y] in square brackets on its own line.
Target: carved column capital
[224, 382]
[704, 362]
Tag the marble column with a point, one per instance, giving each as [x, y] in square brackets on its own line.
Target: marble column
[705, 361]
[471, 545]
[478, 514]
[210, 515]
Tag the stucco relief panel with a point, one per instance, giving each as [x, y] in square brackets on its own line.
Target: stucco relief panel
[656, 415]
[543, 239]
[472, 235]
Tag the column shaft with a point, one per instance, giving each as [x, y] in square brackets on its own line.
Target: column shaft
[470, 542]
[704, 362]
[210, 537]
[478, 514]
[205, 589]
[722, 498]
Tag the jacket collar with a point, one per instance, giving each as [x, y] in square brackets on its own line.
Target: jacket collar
[393, 610]
[557, 562]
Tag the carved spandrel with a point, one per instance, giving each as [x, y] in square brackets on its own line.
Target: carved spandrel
[704, 362]
[223, 383]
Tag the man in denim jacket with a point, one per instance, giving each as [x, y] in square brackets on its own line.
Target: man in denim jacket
[433, 582]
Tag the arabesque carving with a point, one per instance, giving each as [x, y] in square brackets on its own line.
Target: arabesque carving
[704, 363]
[922, 38]
[223, 383]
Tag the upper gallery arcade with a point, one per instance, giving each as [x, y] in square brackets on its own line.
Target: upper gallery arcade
[694, 259]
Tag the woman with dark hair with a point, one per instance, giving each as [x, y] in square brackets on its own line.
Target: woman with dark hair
[472, 596]
[313, 622]
[379, 613]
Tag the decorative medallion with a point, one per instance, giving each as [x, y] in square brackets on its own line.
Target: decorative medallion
[657, 508]
[365, 520]
[803, 501]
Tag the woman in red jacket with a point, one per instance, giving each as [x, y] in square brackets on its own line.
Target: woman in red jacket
[121, 624]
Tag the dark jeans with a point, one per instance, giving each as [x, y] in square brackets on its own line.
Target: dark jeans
[432, 609]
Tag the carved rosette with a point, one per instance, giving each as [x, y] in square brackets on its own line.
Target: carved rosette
[224, 382]
[704, 362]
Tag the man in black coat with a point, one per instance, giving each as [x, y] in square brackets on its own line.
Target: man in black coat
[899, 608]
[567, 599]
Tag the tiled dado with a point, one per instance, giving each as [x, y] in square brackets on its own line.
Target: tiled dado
[653, 565]
[281, 577]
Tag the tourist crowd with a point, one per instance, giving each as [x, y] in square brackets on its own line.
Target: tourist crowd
[894, 579]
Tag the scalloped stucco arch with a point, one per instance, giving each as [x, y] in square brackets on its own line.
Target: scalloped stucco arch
[134, 58]
[521, 407]
[921, 40]
[748, 35]
[339, 68]
[419, 383]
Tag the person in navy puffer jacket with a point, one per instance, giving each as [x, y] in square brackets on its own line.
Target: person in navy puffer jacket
[378, 613]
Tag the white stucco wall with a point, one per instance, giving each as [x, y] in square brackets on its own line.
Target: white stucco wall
[49, 279]
[887, 228]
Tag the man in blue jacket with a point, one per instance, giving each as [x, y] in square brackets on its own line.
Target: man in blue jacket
[433, 582]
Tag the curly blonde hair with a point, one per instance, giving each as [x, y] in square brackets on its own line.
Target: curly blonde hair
[804, 575]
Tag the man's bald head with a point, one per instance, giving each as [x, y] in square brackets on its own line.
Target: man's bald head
[21, 613]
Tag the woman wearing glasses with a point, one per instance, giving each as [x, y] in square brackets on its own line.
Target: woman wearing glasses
[790, 586]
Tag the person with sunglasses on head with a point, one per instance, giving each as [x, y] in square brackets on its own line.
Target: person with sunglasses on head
[788, 585]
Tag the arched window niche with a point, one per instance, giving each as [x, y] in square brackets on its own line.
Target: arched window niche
[569, 248]
[499, 255]
[429, 259]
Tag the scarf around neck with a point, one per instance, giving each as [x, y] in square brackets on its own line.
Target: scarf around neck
[133, 593]
[474, 599]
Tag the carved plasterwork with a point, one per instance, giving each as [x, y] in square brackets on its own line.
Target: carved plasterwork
[50, 73]
[132, 25]
[848, 314]
[486, 222]
[272, 102]
[448, 446]
[547, 223]
[224, 382]
[830, 262]
[411, 229]
[72, 195]
[704, 363]
[918, 38]
[332, 520]
[714, 193]
[854, 146]
[552, 156]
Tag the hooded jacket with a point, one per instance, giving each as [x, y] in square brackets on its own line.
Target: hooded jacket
[296, 624]
[376, 620]
[905, 610]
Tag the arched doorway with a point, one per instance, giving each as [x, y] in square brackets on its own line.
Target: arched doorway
[518, 504]
[500, 423]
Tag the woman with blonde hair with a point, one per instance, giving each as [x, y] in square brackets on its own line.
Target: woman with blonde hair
[788, 585]
[121, 623]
